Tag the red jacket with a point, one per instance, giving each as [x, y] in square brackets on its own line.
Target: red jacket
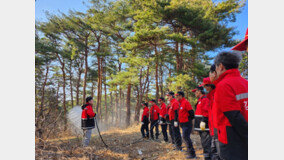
[202, 106]
[210, 96]
[88, 111]
[174, 105]
[163, 110]
[230, 107]
[145, 113]
[154, 111]
[183, 114]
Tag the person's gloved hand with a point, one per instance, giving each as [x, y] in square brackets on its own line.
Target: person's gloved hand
[202, 126]
[142, 123]
[175, 123]
[160, 122]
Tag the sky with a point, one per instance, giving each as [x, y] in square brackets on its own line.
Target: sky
[54, 6]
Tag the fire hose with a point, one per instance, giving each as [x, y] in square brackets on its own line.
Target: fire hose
[136, 141]
[100, 134]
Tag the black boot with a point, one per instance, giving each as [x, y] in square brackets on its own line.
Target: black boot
[191, 156]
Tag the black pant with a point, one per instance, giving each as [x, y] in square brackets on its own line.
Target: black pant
[144, 127]
[172, 133]
[206, 143]
[176, 135]
[214, 152]
[164, 131]
[186, 131]
[154, 124]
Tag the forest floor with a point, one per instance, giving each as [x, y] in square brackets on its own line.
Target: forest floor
[125, 144]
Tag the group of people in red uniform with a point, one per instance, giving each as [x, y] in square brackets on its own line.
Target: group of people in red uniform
[220, 116]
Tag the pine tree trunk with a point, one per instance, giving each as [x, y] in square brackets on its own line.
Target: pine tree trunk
[120, 96]
[123, 105]
[116, 107]
[63, 86]
[128, 114]
[86, 70]
[139, 95]
[92, 90]
[111, 104]
[99, 86]
[98, 89]
[161, 81]
[64, 96]
[78, 84]
[57, 95]
[71, 86]
[43, 92]
[181, 57]
[157, 74]
[120, 103]
[178, 66]
[105, 88]
[147, 83]
[106, 109]
[136, 117]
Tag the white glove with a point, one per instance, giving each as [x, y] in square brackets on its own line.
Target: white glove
[202, 126]
[175, 123]
[142, 123]
[160, 122]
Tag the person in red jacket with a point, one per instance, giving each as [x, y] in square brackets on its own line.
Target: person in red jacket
[230, 107]
[154, 118]
[201, 121]
[210, 88]
[87, 120]
[173, 117]
[145, 121]
[163, 112]
[185, 117]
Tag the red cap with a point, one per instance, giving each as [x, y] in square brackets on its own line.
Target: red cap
[206, 81]
[243, 45]
[194, 90]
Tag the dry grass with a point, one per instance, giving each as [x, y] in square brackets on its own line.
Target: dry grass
[120, 147]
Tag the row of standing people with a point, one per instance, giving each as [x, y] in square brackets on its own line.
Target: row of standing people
[178, 114]
[221, 115]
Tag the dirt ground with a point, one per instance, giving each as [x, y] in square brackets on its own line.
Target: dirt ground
[124, 144]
